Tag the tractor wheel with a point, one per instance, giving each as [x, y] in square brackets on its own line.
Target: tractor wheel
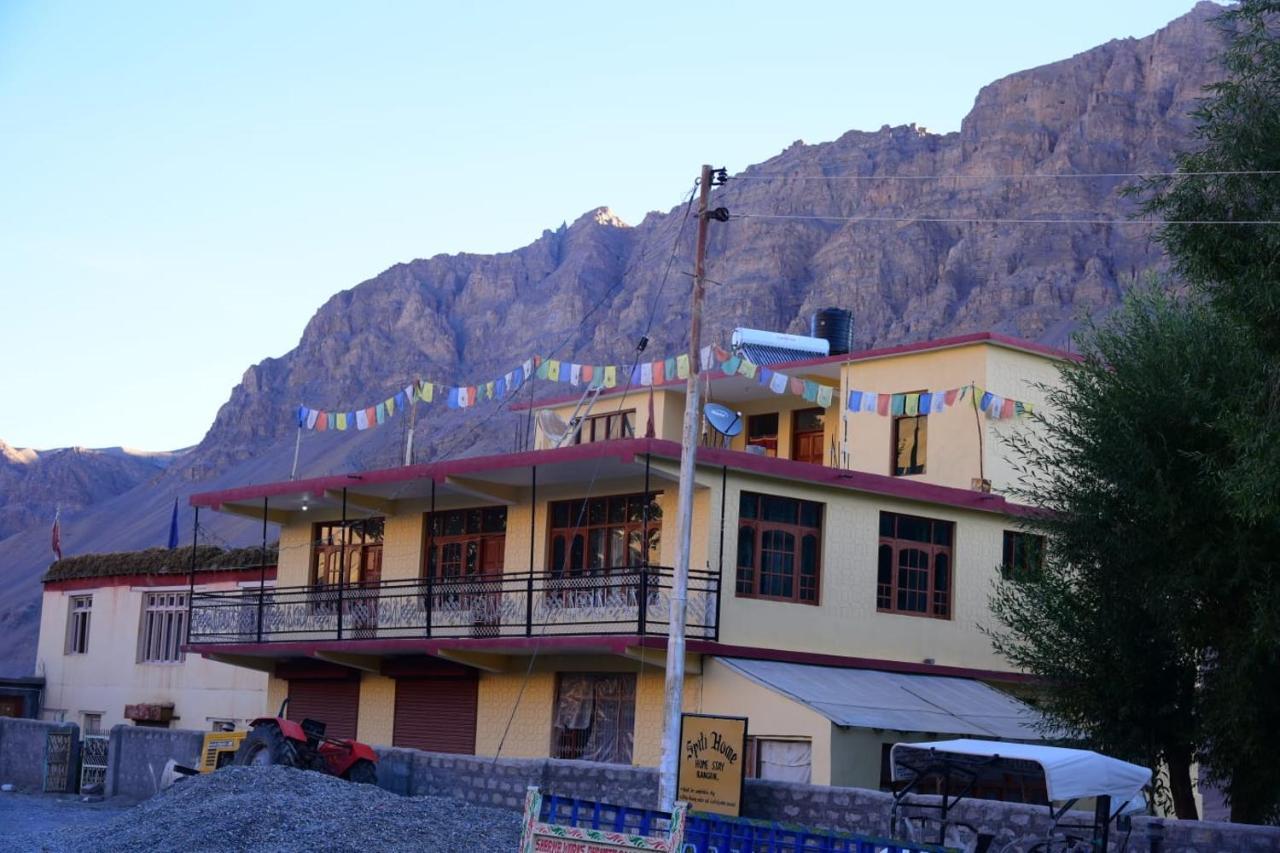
[266, 744]
[363, 772]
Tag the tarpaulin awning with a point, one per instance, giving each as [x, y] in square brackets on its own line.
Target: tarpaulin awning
[1069, 774]
[896, 701]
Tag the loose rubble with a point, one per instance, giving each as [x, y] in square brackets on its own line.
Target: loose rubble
[283, 809]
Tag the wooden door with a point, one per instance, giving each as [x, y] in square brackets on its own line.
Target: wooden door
[806, 436]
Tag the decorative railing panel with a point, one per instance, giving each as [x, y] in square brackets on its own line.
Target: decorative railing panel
[509, 604]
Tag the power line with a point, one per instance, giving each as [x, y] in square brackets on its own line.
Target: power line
[968, 220]
[994, 177]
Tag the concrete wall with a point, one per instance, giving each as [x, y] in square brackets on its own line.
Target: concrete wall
[502, 783]
[22, 752]
[845, 621]
[137, 756]
[109, 676]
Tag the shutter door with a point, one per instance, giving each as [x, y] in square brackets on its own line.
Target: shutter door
[436, 714]
[332, 701]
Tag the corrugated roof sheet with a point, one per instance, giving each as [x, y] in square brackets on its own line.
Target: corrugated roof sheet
[766, 355]
[897, 701]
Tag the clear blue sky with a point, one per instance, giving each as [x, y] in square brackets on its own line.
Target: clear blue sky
[182, 185]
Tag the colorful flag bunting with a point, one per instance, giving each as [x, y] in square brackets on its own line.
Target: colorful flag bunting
[682, 366]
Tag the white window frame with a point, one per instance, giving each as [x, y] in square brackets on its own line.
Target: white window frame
[84, 722]
[79, 612]
[162, 629]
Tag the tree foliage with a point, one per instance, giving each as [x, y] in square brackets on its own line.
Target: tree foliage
[1118, 474]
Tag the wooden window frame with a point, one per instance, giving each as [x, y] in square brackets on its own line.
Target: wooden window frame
[77, 642]
[759, 527]
[933, 549]
[581, 525]
[898, 420]
[565, 747]
[596, 428]
[163, 627]
[795, 433]
[1021, 554]
[483, 534]
[766, 440]
[326, 553]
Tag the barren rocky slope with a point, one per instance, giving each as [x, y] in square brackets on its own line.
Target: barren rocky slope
[590, 288]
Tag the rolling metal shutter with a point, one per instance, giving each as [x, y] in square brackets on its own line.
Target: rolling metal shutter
[436, 714]
[333, 701]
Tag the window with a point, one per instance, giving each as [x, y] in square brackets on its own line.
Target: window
[602, 534]
[80, 609]
[607, 427]
[465, 542]
[164, 627]
[915, 565]
[353, 548]
[782, 760]
[1023, 554]
[91, 723]
[595, 717]
[779, 548]
[762, 431]
[806, 437]
[910, 434]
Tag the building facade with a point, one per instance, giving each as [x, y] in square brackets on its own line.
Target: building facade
[518, 604]
[112, 631]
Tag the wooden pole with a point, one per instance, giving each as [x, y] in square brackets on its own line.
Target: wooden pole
[674, 701]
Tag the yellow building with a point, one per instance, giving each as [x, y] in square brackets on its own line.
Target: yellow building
[518, 604]
[112, 629]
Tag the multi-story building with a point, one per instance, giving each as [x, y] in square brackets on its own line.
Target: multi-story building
[518, 604]
[112, 629]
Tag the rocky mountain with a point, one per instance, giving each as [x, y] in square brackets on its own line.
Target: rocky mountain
[861, 222]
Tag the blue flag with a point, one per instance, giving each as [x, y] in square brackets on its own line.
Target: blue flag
[173, 526]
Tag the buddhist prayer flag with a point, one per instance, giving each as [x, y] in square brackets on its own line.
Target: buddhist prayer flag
[825, 393]
[730, 365]
[380, 413]
[342, 420]
[322, 421]
[911, 405]
[898, 404]
[646, 374]
[810, 392]
[312, 418]
[669, 369]
[658, 374]
[682, 366]
[778, 384]
[884, 404]
[610, 376]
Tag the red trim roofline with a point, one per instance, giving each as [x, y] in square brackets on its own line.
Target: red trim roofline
[994, 338]
[616, 644]
[630, 450]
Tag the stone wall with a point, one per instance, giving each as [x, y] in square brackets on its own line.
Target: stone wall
[502, 783]
[22, 748]
[137, 755]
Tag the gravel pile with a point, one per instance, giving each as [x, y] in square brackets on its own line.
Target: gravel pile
[279, 808]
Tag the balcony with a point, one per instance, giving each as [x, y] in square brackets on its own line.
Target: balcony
[624, 601]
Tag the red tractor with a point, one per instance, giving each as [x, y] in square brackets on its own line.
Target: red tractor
[276, 740]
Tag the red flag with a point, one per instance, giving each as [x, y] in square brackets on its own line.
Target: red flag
[55, 537]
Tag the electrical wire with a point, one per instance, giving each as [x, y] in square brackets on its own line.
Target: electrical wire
[992, 177]
[978, 220]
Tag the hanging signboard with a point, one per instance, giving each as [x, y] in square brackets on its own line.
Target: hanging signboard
[711, 769]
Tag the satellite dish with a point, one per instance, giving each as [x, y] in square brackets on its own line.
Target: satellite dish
[723, 420]
[553, 427]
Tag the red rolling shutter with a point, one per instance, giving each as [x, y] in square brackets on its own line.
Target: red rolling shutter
[333, 701]
[436, 714]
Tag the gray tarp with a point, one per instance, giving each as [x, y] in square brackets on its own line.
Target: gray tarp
[896, 701]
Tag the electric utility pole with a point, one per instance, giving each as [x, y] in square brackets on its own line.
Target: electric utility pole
[684, 512]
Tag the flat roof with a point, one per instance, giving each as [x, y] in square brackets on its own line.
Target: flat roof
[494, 477]
[832, 361]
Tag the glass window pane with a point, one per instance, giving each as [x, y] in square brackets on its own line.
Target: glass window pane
[595, 548]
[618, 547]
[762, 426]
[778, 509]
[747, 505]
[913, 528]
[887, 520]
[560, 514]
[746, 546]
[455, 524]
[810, 420]
[942, 532]
[495, 519]
[617, 510]
[810, 514]
[596, 511]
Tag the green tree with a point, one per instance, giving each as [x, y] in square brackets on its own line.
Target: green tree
[1136, 529]
[1234, 176]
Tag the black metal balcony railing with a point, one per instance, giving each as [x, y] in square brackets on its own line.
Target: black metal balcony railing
[510, 604]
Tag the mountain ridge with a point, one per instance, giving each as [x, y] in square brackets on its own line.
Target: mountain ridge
[591, 287]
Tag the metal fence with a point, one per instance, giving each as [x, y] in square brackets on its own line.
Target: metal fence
[627, 600]
[93, 760]
[706, 833]
[59, 747]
